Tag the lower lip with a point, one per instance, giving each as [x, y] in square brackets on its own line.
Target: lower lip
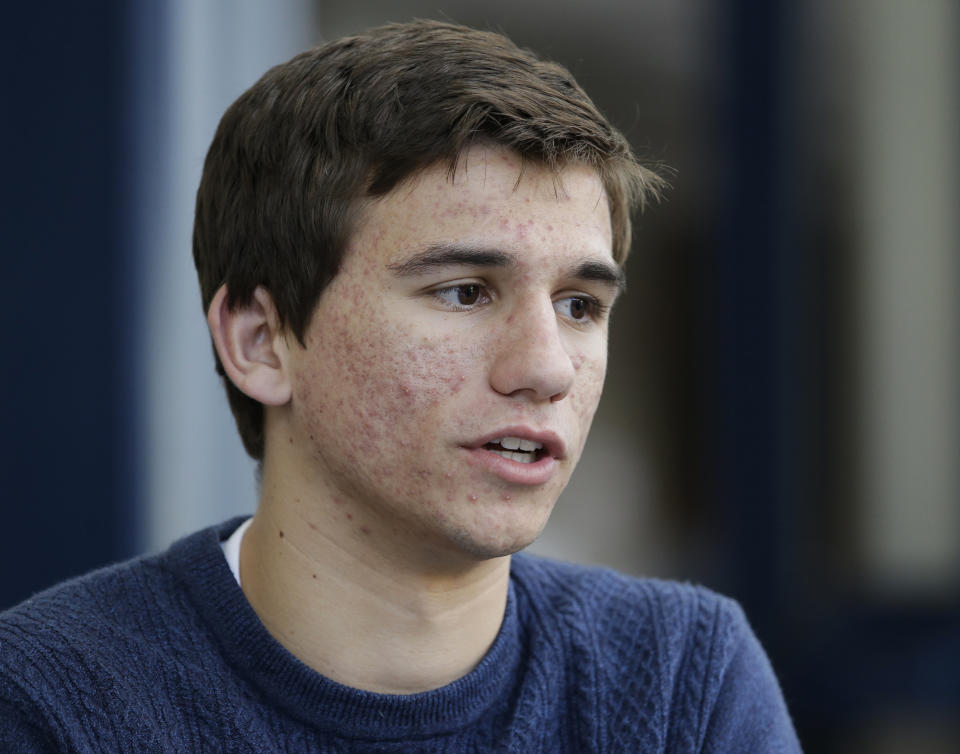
[514, 472]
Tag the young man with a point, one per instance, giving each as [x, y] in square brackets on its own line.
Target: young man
[408, 245]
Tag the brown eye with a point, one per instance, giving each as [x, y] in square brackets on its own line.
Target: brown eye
[580, 309]
[463, 296]
[467, 295]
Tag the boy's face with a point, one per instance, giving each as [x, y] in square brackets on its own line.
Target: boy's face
[466, 311]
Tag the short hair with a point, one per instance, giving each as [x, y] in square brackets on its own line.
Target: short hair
[295, 156]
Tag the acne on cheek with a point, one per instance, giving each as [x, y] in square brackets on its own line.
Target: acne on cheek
[423, 377]
[432, 371]
[588, 386]
[385, 378]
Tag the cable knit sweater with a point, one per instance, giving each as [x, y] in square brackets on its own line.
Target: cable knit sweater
[164, 654]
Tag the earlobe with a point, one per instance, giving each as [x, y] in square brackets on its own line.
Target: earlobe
[248, 340]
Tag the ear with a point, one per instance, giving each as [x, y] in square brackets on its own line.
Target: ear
[251, 345]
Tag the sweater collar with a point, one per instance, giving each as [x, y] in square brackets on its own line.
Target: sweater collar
[289, 684]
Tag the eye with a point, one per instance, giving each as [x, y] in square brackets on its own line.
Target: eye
[580, 309]
[463, 295]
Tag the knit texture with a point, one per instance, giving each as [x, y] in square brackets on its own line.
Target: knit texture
[164, 654]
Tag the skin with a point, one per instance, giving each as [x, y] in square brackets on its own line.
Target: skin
[464, 306]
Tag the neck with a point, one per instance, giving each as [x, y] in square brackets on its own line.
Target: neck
[362, 612]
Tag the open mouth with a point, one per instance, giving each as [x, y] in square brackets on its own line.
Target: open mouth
[516, 449]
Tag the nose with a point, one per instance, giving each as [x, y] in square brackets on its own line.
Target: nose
[530, 356]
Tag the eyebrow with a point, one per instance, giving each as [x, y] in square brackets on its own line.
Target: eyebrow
[438, 256]
[601, 271]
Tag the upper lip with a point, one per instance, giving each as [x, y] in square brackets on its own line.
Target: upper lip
[552, 444]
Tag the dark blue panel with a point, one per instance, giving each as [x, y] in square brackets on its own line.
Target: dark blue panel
[66, 487]
[742, 307]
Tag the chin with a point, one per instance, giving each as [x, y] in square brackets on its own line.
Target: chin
[495, 544]
[491, 551]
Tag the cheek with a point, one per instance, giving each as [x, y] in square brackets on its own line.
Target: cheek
[591, 371]
[373, 389]
[429, 372]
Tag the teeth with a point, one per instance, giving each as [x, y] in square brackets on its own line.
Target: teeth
[519, 457]
[516, 443]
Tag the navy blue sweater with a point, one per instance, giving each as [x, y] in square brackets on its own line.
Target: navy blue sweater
[164, 654]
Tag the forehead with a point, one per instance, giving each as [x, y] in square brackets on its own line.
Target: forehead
[492, 199]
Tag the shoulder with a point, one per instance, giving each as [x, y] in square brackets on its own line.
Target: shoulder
[73, 652]
[683, 653]
[93, 616]
[106, 612]
[668, 632]
[64, 650]
[680, 612]
[76, 610]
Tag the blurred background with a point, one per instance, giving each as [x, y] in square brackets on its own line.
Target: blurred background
[782, 414]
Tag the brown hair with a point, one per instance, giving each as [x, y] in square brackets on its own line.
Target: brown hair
[293, 157]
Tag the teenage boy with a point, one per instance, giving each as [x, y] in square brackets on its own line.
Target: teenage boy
[408, 245]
